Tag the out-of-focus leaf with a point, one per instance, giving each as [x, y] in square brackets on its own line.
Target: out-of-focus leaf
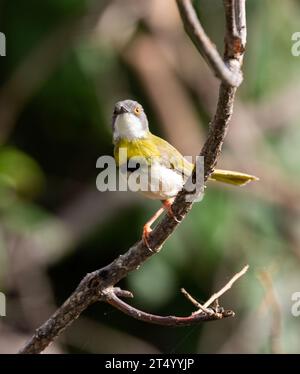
[23, 216]
[154, 284]
[20, 172]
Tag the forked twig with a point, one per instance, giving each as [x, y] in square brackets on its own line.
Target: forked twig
[227, 286]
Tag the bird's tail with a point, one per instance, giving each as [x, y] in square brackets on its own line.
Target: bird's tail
[232, 177]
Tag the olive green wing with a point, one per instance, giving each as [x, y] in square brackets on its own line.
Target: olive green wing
[171, 158]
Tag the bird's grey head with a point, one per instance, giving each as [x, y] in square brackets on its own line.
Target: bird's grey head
[129, 121]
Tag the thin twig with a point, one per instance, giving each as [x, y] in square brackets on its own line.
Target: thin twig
[227, 286]
[112, 299]
[94, 286]
[195, 302]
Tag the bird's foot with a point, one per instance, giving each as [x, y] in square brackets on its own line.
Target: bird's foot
[146, 234]
[168, 206]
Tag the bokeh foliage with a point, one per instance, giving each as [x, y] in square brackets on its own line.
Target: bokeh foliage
[47, 179]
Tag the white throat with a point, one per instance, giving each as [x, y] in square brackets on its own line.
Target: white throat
[128, 126]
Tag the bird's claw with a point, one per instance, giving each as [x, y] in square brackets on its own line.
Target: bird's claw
[170, 211]
[172, 215]
[145, 237]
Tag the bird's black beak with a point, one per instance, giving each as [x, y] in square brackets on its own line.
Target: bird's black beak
[121, 110]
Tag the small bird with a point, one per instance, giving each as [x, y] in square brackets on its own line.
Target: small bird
[169, 169]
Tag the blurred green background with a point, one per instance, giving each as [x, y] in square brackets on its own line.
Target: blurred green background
[67, 63]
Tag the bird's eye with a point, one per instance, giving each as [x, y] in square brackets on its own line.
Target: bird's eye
[137, 110]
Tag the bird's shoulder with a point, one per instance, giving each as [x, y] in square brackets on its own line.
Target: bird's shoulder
[171, 156]
[152, 148]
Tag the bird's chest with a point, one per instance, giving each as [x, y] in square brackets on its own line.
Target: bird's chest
[140, 162]
[153, 180]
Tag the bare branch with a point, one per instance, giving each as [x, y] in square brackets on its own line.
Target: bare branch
[205, 46]
[235, 40]
[112, 299]
[111, 296]
[94, 287]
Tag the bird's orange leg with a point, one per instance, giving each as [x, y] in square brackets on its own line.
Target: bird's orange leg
[147, 227]
[168, 206]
